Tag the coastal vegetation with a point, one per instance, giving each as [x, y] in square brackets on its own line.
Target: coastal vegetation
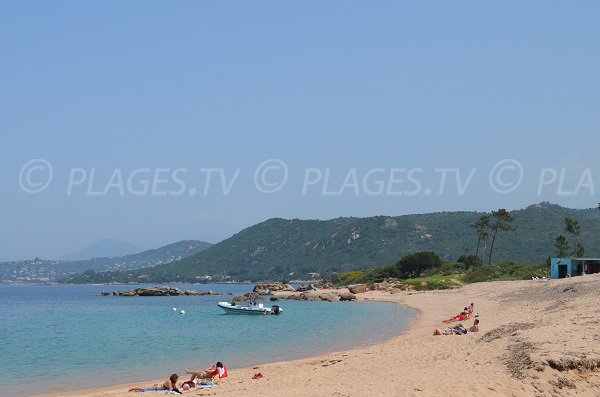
[436, 274]
[280, 249]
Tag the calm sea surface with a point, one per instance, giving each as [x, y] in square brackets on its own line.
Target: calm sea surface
[55, 338]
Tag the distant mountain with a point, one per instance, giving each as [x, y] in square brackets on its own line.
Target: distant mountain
[278, 247]
[105, 248]
[42, 270]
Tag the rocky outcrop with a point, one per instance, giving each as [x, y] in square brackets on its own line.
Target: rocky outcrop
[347, 297]
[323, 284]
[357, 288]
[304, 288]
[273, 287]
[392, 286]
[241, 298]
[157, 291]
[312, 296]
[329, 297]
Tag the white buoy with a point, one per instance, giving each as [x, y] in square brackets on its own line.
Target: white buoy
[182, 312]
[174, 309]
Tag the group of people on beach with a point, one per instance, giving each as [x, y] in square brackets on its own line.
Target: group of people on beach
[217, 370]
[459, 329]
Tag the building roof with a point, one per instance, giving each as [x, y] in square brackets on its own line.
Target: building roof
[578, 259]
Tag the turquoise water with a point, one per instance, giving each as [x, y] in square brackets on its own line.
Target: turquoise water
[70, 337]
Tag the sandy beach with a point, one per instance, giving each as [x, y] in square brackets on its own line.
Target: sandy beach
[536, 339]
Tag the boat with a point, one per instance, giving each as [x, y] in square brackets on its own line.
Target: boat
[260, 309]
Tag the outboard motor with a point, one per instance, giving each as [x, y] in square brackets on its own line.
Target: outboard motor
[275, 310]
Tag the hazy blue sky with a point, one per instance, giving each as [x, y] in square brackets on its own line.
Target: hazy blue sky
[157, 86]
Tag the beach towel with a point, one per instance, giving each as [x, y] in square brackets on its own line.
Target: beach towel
[159, 391]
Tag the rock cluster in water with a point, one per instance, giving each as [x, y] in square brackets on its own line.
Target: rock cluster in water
[273, 287]
[312, 296]
[158, 291]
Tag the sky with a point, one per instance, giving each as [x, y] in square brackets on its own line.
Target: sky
[154, 121]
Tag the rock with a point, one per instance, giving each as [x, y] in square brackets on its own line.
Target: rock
[324, 285]
[329, 297]
[347, 297]
[309, 296]
[273, 287]
[304, 288]
[391, 285]
[357, 288]
[242, 298]
[275, 299]
[157, 291]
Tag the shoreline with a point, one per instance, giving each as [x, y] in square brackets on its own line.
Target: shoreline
[120, 387]
[517, 352]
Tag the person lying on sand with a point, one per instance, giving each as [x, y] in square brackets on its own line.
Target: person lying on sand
[460, 317]
[447, 331]
[169, 385]
[214, 370]
[458, 330]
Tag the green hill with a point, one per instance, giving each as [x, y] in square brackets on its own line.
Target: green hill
[44, 270]
[277, 247]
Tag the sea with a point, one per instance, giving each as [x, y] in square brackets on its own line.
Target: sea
[68, 337]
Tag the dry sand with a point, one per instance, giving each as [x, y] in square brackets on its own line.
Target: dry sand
[537, 339]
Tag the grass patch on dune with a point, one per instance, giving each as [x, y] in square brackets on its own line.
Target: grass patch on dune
[441, 275]
[439, 281]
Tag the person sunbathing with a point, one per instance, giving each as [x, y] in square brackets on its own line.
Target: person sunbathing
[447, 331]
[456, 330]
[462, 316]
[475, 327]
[214, 370]
[169, 385]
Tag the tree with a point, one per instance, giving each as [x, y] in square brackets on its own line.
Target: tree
[562, 246]
[580, 251]
[470, 261]
[411, 265]
[572, 227]
[500, 221]
[481, 226]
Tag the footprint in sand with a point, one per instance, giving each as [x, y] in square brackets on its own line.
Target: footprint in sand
[330, 362]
